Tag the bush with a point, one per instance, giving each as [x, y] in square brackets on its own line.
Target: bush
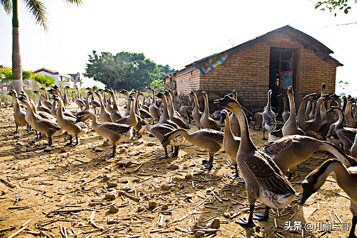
[5, 73]
[27, 75]
[44, 80]
[5, 98]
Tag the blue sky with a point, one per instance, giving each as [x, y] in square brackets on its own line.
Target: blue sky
[170, 32]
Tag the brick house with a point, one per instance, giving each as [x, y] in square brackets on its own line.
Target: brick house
[275, 60]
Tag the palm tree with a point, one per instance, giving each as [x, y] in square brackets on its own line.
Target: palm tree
[37, 8]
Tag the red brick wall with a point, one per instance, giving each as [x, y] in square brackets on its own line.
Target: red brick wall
[187, 82]
[314, 72]
[247, 71]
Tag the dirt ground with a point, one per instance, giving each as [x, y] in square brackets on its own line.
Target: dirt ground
[77, 192]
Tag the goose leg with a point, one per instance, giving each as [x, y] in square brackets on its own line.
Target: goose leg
[114, 151]
[236, 174]
[28, 128]
[76, 141]
[166, 154]
[247, 223]
[176, 151]
[17, 129]
[70, 140]
[49, 140]
[353, 227]
[209, 165]
[262, 217]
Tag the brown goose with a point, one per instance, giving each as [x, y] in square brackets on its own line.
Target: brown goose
[85, 111]
[46, 101]
[173, 114]
[159, 130]
[19, 114]
[114, 132]
[263, 179]
[346, 178]
[80, 103]
[40, 107]
[164, 118]
[304, 110]
[115, 114]
[104, 115]
[42, 125]
[233, 119]
[286, 113]
[128, 105]
[196, 113]
[153, 109]
[206, 121]
[269, 117]
[94, 103]
[290, 151]
[313, 125]
[290, 126]
[312, 111]
[323, 110]
[68, 124]
[206, 139]
[345, 135]
[230, 142]
[65, 97]
[350, 122]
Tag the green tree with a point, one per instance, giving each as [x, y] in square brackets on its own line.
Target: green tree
[38, 10]
[157, 85]
[333, 5]
[124, 70]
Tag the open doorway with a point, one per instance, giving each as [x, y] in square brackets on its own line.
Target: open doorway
[282, 70]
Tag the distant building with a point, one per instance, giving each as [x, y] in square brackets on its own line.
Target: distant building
[276, 60]
[63, 79]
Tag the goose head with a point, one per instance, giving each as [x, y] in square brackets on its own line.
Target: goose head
[224, 114]
[52, 91]
[160, 95]
[315, 180]
[227, 102]
[12, 92]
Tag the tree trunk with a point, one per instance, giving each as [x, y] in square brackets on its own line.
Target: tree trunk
[16, 57]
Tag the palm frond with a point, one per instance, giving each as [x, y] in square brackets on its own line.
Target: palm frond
[7, 5]
[77, 2]
[38, 9]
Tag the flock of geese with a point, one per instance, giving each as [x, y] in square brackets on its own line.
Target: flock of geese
[322, 123]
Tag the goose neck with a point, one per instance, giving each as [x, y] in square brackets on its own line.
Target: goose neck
[246, 142]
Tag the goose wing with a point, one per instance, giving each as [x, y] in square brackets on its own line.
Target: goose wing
[268, 175]
[212, 135]
[115, 127]
[50, 124]
[275, 147]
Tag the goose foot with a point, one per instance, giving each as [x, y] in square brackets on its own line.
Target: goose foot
[175, 152]
[262, 216]
[245, 223]
[163, 157]
[207, 167]
[109, 156]
[237, 178]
